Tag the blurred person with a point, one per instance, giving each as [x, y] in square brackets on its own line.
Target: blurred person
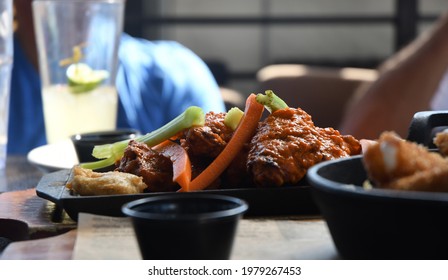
[414, 79]
[156, 81]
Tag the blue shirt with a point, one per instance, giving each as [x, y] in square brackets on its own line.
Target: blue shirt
[156, 81]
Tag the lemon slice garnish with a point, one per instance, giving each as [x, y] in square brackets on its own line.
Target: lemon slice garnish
[82, 78]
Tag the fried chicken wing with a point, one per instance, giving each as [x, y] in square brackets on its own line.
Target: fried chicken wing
[441, 141]
[209, 140]
[155, 169]
[287, 144]
[395, 163]
[203, 144]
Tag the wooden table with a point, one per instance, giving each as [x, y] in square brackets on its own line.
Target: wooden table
[18, 175]
[18, 201]
[53, 239]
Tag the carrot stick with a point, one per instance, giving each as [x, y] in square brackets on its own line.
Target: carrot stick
[181, 162]
[242, 135]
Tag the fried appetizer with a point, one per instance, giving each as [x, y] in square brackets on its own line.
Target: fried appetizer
[88, 182]
[395, 163]
[287, 144]
[204, 143]
[441, 141]
[155, 169]
[209, 140]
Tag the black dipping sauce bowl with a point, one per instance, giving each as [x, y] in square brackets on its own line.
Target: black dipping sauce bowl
[85, 142]
[185, 226]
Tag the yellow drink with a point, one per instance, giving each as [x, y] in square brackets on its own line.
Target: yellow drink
[67, 113]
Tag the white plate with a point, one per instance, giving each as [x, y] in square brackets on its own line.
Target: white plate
[53, 157]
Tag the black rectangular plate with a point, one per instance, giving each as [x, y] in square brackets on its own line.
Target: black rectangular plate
[288, 200]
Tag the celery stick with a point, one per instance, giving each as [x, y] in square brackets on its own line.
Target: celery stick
[271, 101]
[110, 153]
[233, 118]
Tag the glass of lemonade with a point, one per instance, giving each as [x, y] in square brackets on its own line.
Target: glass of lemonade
[77, 44]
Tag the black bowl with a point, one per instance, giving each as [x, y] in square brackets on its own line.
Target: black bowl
[185, 226]
[85, 142]
[378, 223]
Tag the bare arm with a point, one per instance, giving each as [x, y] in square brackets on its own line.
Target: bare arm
[406, 85]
